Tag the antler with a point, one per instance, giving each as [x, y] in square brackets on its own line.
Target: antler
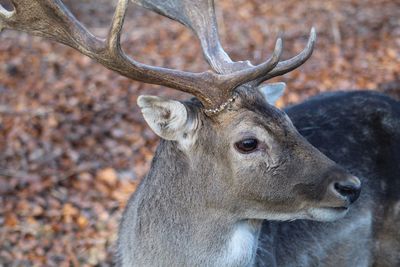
[53, 20]
[200, 17]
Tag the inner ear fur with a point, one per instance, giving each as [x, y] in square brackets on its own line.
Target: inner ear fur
[169, 119]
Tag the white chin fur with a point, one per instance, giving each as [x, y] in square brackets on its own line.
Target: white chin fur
[326, 214]
[314, 214]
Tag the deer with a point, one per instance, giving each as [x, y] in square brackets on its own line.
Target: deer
[236, 181]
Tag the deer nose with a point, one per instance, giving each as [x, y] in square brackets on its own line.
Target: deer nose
[349, 188]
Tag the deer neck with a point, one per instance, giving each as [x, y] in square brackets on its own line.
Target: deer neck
[168, 223]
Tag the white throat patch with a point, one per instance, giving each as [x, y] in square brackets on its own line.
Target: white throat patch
[242, 246]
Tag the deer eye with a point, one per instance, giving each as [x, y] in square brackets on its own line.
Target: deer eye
[247, 145]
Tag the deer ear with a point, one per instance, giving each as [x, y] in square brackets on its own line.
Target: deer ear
[169, 119]
[272, 91]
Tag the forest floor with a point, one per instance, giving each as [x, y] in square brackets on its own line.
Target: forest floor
[73, 144]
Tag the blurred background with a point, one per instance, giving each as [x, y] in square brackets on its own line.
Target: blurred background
[73, 144]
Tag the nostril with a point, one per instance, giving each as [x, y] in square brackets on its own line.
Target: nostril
[349, 190]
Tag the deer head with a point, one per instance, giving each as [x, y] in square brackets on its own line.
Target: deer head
[247, 154]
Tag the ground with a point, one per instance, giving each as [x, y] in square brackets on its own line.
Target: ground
[73, 144]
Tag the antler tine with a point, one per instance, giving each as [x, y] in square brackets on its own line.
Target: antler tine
[114, 36]
[253, 73]
[294, 62]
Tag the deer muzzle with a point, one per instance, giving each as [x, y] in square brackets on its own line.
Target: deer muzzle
[343, 189]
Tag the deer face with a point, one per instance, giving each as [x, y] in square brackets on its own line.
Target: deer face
[252, 161]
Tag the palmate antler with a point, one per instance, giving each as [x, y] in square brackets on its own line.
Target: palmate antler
[53, 20]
